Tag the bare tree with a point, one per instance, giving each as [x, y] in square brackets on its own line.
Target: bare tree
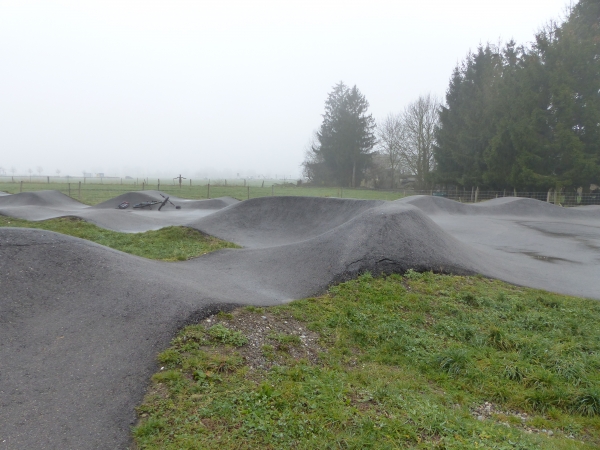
[2, 171]
[39, 170]
[419, 121]
[13, 169]
[389, 142]
[58, 172]
[30, 172]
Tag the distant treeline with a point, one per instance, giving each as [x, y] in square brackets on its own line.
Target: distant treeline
[526, 117]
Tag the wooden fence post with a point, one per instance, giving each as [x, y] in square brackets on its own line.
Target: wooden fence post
[208, 190]
[21, 189]
[69, 189]
[476, 194]
[248, 191]
[271, 190]
[80, 191]
[143, 185]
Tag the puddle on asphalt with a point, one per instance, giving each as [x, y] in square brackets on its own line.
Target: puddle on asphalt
[585, 234]
[550, 259]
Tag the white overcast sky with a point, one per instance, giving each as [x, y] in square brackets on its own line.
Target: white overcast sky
[216, 88]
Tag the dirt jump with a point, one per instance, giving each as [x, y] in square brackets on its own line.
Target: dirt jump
[81, 324]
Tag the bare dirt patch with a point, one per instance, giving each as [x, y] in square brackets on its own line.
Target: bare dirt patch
[272, 339]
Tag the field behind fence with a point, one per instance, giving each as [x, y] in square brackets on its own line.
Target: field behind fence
[94, 190]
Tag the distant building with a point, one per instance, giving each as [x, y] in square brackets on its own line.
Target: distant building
[87, 175]
[100, 175]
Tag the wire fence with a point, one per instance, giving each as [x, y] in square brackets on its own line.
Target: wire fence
[562, 198]
[95, 191]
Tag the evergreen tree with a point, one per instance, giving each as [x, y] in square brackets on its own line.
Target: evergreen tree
[527, 118]
[346, 136]
[467, 121]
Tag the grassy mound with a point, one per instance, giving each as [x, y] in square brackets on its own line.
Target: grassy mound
[420, 361]
[166, 244]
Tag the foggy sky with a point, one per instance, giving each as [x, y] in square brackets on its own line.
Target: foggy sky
[216, 88]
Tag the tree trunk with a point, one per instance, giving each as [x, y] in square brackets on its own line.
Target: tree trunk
[353, 174]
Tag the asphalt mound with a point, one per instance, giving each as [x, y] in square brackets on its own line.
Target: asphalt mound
[49, 199]
[270, 221]
[81, 324]
[136, 197]
[44, 205]
[503, 206]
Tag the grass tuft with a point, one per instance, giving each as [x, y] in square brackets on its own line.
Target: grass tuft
[588, 404]
[224, 335]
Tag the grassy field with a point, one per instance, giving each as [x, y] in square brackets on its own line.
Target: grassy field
[166, 244]
[414, 361]
[91, 194]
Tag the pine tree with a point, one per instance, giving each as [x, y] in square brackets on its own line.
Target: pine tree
[527, 117]
[346, 136]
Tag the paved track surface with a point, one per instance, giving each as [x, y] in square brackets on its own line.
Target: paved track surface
[81, 324]
[44, 205]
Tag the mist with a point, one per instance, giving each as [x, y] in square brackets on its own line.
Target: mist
[219, 88]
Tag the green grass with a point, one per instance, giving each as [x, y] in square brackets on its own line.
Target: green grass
[407, 362]
[92, 194]
[166, 244]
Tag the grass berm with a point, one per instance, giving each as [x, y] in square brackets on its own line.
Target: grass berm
[413, 361]
[174, 243]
